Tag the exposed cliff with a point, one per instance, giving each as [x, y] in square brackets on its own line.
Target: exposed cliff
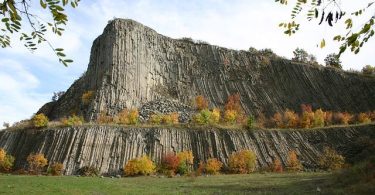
[109, 147]
[131, 64]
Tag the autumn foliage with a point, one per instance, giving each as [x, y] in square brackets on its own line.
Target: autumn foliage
[201, 103]
[56, 169]
[36, 162]
[277, 166]
[87, 97]
[40, 120]
[293, 164]
[213, 166]
[331, 160]
[242, 161]
[128, 117]
[139, 166]
[233, 111]
[6, 161]
[170, 163]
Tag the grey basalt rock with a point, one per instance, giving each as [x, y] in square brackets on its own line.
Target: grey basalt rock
[108, 148]
[131, 65]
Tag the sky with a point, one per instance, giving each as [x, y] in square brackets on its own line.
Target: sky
[28, 80]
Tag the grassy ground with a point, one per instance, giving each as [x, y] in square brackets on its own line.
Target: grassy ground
[257, 183]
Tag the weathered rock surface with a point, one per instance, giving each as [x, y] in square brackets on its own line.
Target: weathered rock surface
[131, 64]
[109, 147]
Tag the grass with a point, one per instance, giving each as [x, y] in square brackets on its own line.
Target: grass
[257, 183]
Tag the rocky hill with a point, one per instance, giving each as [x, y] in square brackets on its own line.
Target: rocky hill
[108, 148]
[131, 65]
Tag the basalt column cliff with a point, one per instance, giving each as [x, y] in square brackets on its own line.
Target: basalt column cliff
[131, 64]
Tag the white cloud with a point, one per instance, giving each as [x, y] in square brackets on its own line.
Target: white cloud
[17, 88]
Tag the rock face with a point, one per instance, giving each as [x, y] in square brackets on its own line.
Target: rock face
[108, 148]
[131, 64]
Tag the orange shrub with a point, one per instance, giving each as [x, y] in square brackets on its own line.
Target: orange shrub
[261, 121]
[372, 115]
[36, 162]
[306, 108]
[6, 161]
[201, 168]
[56, 169]
[277, 120]
[234, 103]
[213, 166]
[293, 164]
[170, 162]
[170, 119]
[331, 160]
[342, 118]
[291, 119]
[364, 118]
[201, 102]
[318, 118]
[277, 166]
[87, 97]
[328, 117]
[40, 120]
[139, 166]
[128, 117]
[243, 161]
[104, 119]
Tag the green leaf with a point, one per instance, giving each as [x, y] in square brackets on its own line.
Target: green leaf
[322, 43]
[44, 5]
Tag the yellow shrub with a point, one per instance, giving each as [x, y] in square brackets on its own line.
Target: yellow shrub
[230, 116]
[319, 118]
[307, 119]
[73, 120]
[36, 162]
[40, 120]
[87, 97]
[293, 164]
[6, 161]
[155, 119]
[215, 116]
[243, 161]
[364, 118]
[186, 156]
[170, 119]
[128, 117]
[56, 169]
[213, 166]
[331, 160]
[139, 166]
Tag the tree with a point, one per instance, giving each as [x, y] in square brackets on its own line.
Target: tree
[300, 55]
[368, 69]
[13, 14]
[333, 60]
[57, 95]
[330, 12]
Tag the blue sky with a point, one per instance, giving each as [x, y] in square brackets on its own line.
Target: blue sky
[27, 81]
